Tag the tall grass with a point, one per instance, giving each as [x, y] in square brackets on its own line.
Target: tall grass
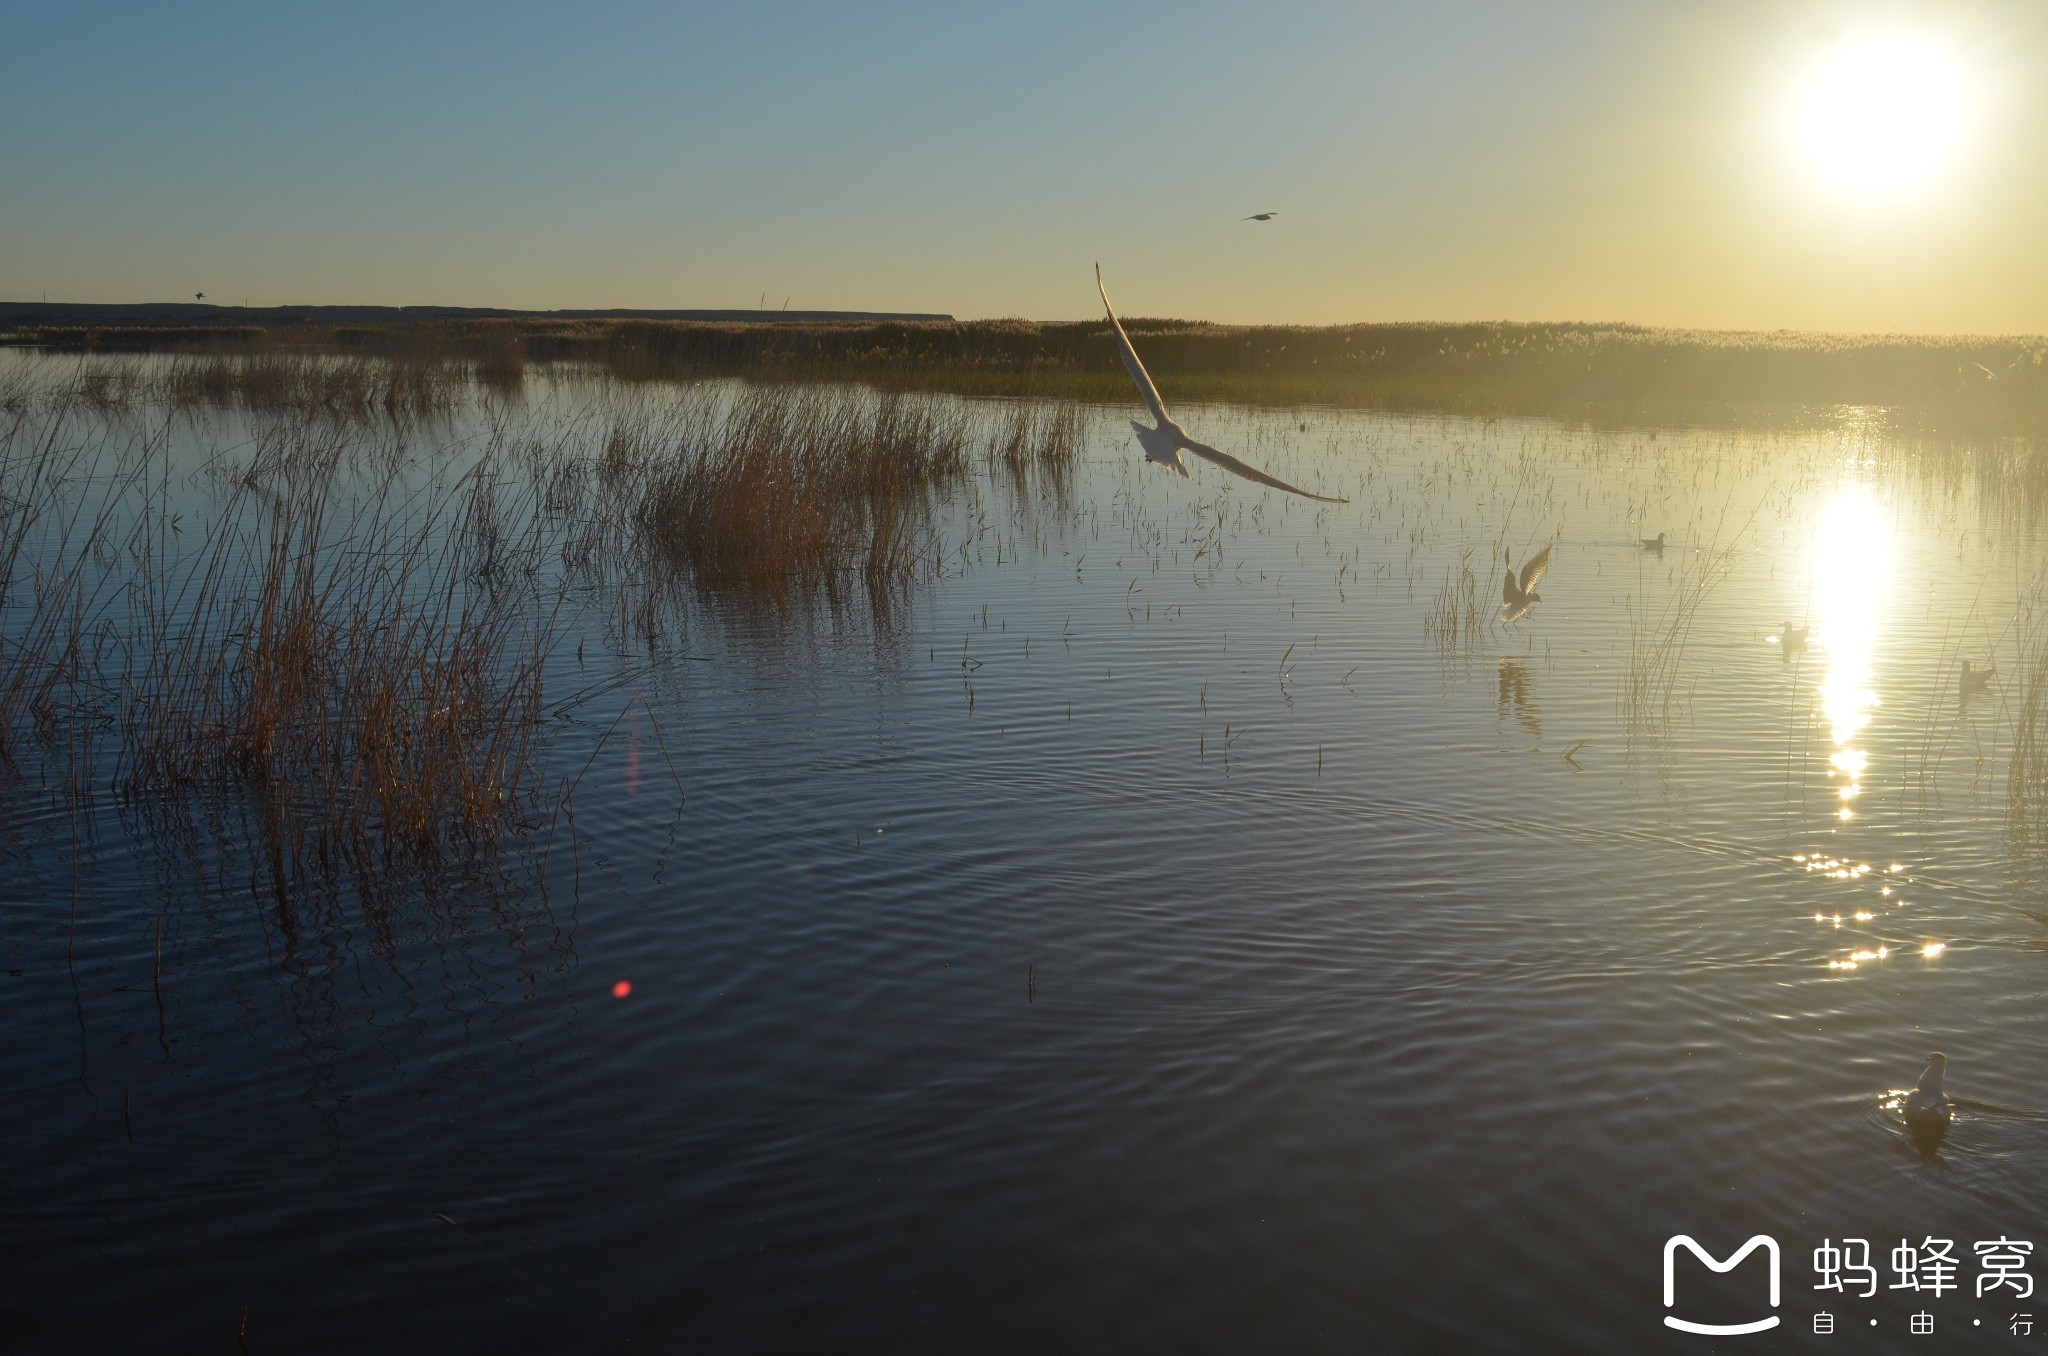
[346, 647]
[1654, 694]
[359, 670]
[1455, 619]
[1036, 437]
[2027, 775]
[365, 676]
[805, 491]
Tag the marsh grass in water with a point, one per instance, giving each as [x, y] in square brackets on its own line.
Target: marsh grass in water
[348, 643]
[1602, 372]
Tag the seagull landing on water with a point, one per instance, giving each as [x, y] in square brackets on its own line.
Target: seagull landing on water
[1974, 679]
[2010, 367]
[1165, 443]
[1517, 596]
[1261, 216]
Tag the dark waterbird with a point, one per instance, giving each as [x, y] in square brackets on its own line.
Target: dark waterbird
[1927, 1108]
[1654, 545]
[1261, 216]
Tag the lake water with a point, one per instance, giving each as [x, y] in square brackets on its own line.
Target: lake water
[1160, 935]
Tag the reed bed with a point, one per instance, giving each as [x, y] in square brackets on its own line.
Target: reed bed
[366, 677]
[358, 670]
[1037, 437]
[345, 646]
[352, 387]
[1968, 384]
[802, 491]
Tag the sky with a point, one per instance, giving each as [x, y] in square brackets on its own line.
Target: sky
[1643, 161]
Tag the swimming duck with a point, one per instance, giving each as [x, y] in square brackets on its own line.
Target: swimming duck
[1654, 545]
[1927, 1106]
[1793, 637]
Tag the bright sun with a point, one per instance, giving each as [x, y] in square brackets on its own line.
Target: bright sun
[1882, 114]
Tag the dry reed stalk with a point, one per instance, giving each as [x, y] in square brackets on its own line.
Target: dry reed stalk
[2027, 775]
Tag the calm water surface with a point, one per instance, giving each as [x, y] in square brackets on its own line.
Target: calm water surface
[1161, 938]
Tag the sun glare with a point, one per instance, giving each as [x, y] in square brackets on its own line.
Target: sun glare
[1850, 573]
[1882, 114]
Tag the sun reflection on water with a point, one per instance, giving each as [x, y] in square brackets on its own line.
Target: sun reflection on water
[1851, 569]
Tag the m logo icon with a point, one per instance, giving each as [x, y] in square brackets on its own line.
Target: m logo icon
[1671, 1247]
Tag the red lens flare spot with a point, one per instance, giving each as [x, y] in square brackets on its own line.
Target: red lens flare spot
[622, 988]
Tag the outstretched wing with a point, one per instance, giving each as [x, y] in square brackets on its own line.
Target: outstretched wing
[1236, 467]
[1146, 390]
[1507, 589]
[1533, 571]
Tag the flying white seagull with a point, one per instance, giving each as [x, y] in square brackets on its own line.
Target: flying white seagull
[1165, 443]
[1518, 595]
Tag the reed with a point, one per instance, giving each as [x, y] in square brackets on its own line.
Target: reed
[799, 491]
[1036, 437]
[346, 388]
[1455, 619]
[359, 672]
[376, 699]
[2027, 773]
[1653, 697]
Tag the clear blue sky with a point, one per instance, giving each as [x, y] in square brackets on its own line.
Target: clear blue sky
[1524, 159]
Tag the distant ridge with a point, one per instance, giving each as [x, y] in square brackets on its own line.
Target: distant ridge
[183, 314]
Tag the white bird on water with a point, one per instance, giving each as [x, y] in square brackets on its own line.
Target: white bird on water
[1518, 595]
[1927, 1106]
[1165, 443]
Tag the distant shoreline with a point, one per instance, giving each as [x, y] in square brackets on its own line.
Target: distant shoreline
[1968, 385]
[183, 314]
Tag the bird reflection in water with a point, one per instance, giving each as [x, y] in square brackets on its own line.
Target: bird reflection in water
[1852, 560]
[1516, 697]
[1971, 681]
